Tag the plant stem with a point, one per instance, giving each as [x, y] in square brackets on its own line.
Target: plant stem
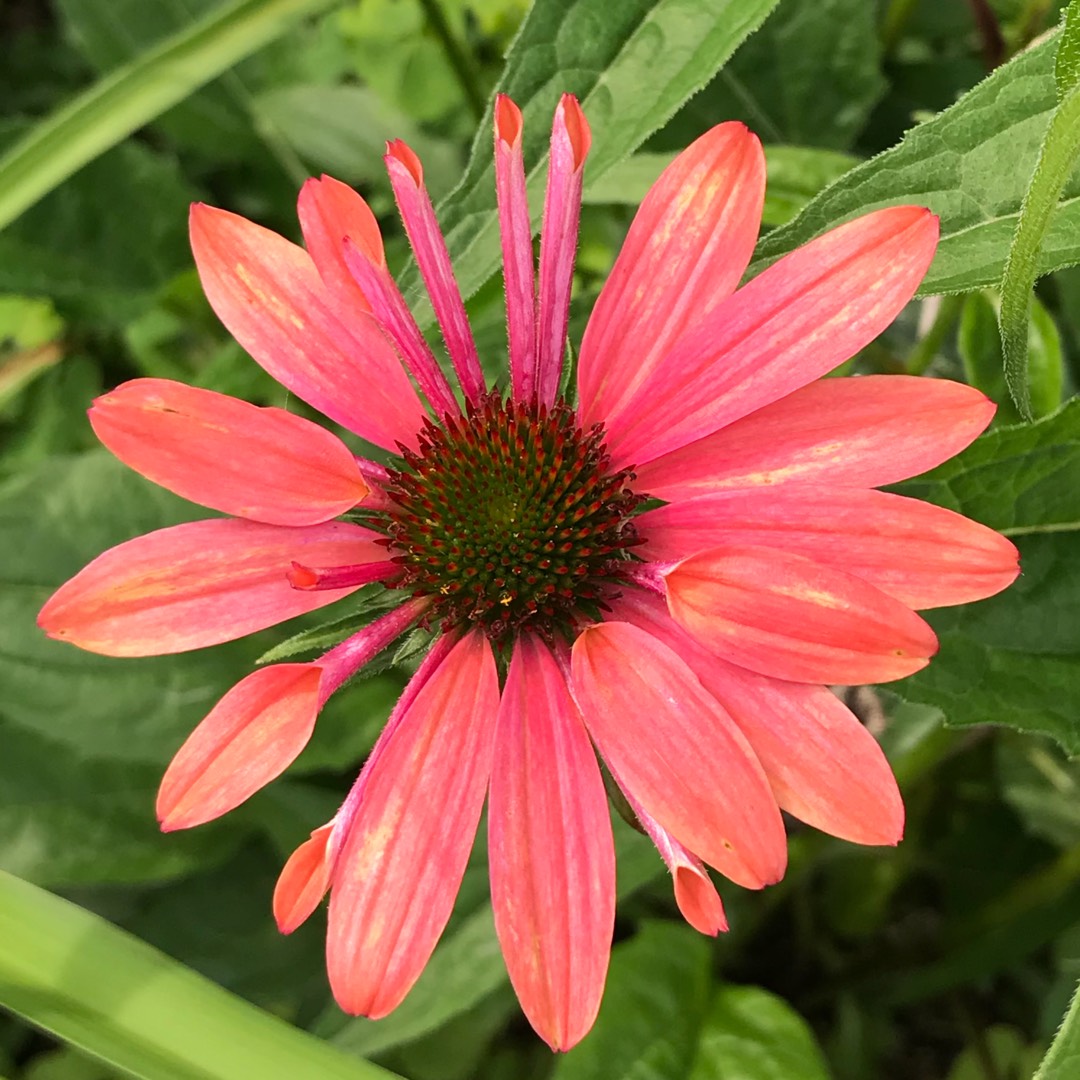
[927, 348]
[460, 58]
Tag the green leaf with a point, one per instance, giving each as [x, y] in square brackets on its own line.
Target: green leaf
[1042, 786]
[1014, 659]
[979, 342]
[605, 53]
[971, 165]
[53, 520]
[1062, 1060]
[755, 1035]
[1057, 157]
[67, 821]
[810, 76]
[652, 1009]
[135, 94]
[108, 993]
[795, 175]
[343, 130]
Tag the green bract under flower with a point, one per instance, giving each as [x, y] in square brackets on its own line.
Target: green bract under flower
[511, 517]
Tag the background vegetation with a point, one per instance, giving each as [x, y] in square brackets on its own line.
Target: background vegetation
[952, 957]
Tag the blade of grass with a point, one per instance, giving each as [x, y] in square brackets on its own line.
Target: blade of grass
[110, 994]
[136, 93]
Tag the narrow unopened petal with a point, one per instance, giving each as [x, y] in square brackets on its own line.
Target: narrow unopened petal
[570, 140]
[550, 850]
[429, 247]
[685, 252]
[269, 295]
[695, 893]
[923, 555]
[402, 861]
[389, 307]
[303, 881]
[331, 213]
[515, 229]
[865, 431]
[199, 584]
[672, 745]
[825, 768]
[792, 618]
[798, 320]
[251, 736]
[263, 464]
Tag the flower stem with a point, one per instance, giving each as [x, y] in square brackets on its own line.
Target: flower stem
[460, 58]
[927, 347]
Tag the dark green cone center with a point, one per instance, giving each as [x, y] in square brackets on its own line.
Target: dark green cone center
[509, 517]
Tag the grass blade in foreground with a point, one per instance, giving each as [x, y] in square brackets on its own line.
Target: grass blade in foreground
[135, 94]
[110, 994]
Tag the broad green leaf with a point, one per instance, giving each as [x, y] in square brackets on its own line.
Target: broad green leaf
[810, 76]
[105, 241]
[755, 1035]
[605, 53]
[971, 165]
[652, 1009]
[795, 175]
[979, 342]
[1062, 1060]
[1014, 659]
[343, 130]
[135, 94]
[1056, 160]
[115, 997]
[67, 821]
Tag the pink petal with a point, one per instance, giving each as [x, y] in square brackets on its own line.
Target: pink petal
[550, 850]
[920, 554]
[264, 464]
[695, 893]
[331, 212]
[570, 140]
[250, 737]
[798, 320]
[789, 617]
[198, 584]
[674, 748]
[394, 316]
[270, 296]
[684, 254]
[864, 431]
[402, 861]
[303, 881]
[823, 765]
[515, 228]
[429, 247]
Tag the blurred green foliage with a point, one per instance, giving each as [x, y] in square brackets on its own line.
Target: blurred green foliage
[952, 957]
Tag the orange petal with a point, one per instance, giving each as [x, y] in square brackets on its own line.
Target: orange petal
[671, 745]
[405, 852]
[263, 464]
[550, 850]
[688, 246]
[199, 584]
[303, 881]
[792, 618]
[250, 737]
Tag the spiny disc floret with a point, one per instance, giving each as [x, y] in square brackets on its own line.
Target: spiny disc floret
[509, 516]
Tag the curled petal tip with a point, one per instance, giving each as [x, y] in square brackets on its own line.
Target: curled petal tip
[572, 118]
[400, 151]
[508, 123]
